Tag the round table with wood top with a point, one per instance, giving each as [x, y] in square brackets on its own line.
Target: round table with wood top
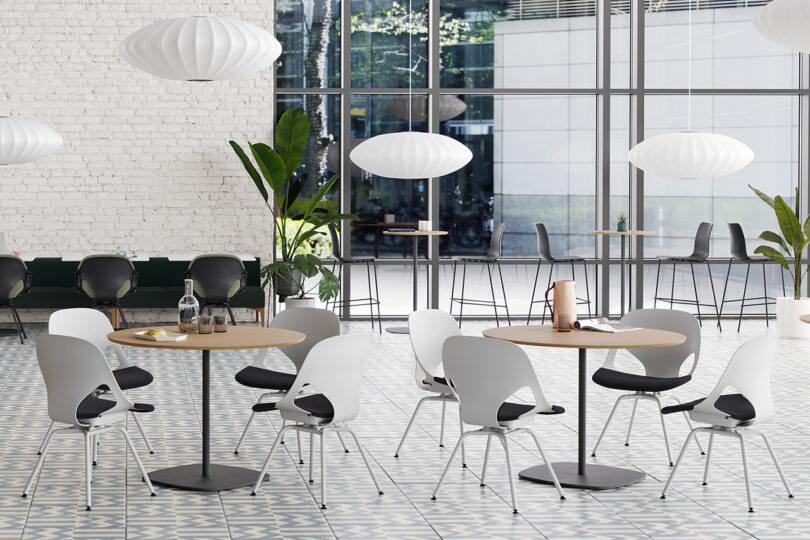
[581, 474]
[415, 234]
[207, 476]
[623, 235]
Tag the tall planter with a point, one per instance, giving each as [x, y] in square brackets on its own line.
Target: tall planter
[788, 311]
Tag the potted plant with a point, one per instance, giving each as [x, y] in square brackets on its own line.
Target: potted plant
[621, 222]
[299, 227]
[794, 238]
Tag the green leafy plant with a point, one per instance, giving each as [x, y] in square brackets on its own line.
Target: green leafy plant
[295, 260]
[622, 218]
[794, 238]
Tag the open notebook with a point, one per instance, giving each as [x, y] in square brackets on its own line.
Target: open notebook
[601, 324]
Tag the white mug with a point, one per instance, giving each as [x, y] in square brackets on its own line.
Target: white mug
[390, 218]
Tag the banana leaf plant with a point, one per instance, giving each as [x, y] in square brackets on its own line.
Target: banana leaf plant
[288, 274]
[794, 238]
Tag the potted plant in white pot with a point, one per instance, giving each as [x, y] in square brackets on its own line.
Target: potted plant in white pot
[301, 229]
[794, 238]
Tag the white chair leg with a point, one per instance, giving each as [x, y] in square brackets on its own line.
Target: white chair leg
[664, 429]
[630, 425]
[283, 425]
[677, 463]
[691, 427]
[607, 423]
[143, 433]
[486, 461]
[46, 443]
[138, 461]
[449, 462]
[548, 463]
[244, 432]
[311, 456]
[300, 451]
[441, 432]
[745, 471]
[342, 442]
[505, 443]
[266, 465]
[89, 445]
[708, 460]
[45, 438]
[323, 472]
[410, 424]
[461, 432]
[778, 466]
[365, 459]
[95, 444]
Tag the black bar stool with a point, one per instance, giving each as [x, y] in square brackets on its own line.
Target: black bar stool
[700, 254]
[544, 251]
[740, 253]
[488, 260]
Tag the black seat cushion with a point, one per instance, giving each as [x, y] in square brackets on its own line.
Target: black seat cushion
[566, 259]
[142, 407]
[440, 380]
[618, 380]
[256, 377]
[688, 258]
[734, 405]
[512, 411]
[92, 407]
[132, 377]
[356, 260]
[264, 407]
[316, 405]
[482, 259]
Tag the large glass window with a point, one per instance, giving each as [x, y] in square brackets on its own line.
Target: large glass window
[310, 44]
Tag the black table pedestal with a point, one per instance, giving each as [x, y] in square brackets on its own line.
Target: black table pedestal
[404, 329]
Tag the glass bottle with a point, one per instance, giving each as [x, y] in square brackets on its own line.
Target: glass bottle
[188, 310]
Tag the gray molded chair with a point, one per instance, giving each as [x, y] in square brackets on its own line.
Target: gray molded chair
[545, 256]
[217, 279]
[106, 279]
[15, 279]
[700, 255]
[491, 258]
[662, 366]
[739, 253]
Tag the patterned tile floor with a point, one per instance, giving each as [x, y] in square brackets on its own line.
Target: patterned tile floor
[286, 506]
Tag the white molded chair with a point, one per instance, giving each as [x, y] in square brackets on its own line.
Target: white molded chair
[429, 328]
[734, 414]
[93, 326]
[662, 367]
[484, 373]
[333, 370]
[318, 325]
[73, 369]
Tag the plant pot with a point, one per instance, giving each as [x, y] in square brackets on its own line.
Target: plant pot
[296, 302]
[788, 311]
[621, 227]
[284, 285]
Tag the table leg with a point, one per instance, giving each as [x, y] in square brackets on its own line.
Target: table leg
[205, 476]
[415, 273]
[581, 474]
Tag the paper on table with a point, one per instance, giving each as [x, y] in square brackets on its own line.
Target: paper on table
[601, 324]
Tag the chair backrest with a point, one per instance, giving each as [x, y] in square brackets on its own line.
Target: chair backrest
[429, 328]
[14, 277]
[334, 368]
[664, 361]
[317, 324]
[73, 368]
[738, 247]
[703, 238]
[87, 324]
[485, 372]
[749, 373]
[217, 277]
[543, 244]
[106, 278]
[333, 236]
[496, 241]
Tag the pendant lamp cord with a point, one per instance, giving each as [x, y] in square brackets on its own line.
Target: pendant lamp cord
[410, 61]
[689, 74]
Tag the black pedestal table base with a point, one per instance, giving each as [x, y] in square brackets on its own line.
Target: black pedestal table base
[595, 476]
[398, 330]
[190, 477]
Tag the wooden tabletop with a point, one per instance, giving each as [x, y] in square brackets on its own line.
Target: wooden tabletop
[624, 233]
[415, 233]
[237, 337]
[805, 318]
[546, 336]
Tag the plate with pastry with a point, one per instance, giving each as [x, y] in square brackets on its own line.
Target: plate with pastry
[160, 334]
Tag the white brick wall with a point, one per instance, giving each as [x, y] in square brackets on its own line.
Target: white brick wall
[145, 166]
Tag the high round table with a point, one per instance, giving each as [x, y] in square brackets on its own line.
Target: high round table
[207, 476]
[581, 474]
[415, 234]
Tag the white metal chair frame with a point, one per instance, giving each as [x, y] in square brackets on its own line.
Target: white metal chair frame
[317, 325]
[749, 373]
[334, 368]
[659, 362]
[428, 329]
[93, 326]
[481, 386]
[73, 368]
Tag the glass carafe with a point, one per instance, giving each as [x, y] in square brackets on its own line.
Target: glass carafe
[188, 310]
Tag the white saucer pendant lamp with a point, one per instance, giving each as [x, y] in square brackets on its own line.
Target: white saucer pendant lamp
[22, 141]
[786, 23]
[411, 154]
[690, 155]
[449, 107]
[202, 48]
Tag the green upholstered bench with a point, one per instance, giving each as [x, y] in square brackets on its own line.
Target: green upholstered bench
[160, 286]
